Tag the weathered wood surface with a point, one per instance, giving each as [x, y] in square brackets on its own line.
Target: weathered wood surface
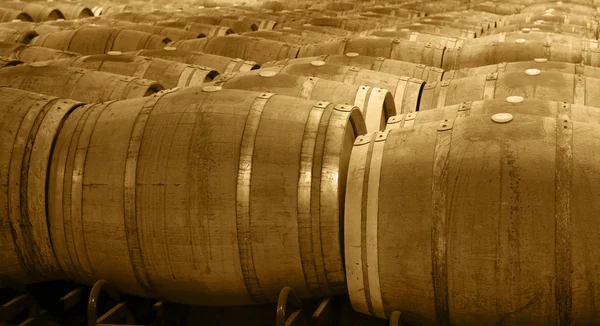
[406, 90]
[248, 48]
[498, 214]
[170, 74]
[28, 53]
[29, 124]
[198, 199]
[99, 40]
[381, 64]
[75, 83]
[544, 85]
[376, 104]
[519, 46]
[221, 64]
[391, 48]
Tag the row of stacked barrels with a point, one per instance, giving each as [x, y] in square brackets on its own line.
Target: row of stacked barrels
[435, 161]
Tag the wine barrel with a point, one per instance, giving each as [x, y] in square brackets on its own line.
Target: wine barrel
[8, 62]
[38, 13]
[376, 104]
[99, 40]
[562, 7]
[219, 63]
[431, 8]
[170, 74]
[558, 28]
[27, 53]
[394, 11]
[205, 29]
[243, 197]
[8, 15]
[322, 37]
[572, 19]
[587, 114]
[248, 48]
[29, 30]
[15, 35]
[174, 34]
[405, 34]
[283, 37]
[318, 29]
[29, 125]
[472, 17]
[477, 27]
[544, 85]
[497, 8]
[519, 46]
[78, 84]
[406, 90]
[381, 64]
[110, 9]
[396, 49]
[349, 24]
[539, 63]
[500, 214]
[442, 30]
[73, 11]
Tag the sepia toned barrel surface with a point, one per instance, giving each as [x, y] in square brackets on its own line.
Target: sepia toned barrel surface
[376, 104]
[495, 213]
[29, 125]
[197, 198]
[75, 83]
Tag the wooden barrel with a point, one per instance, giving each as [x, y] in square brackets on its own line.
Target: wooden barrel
[381, 64]
[558, 28]
[478, 27]
[430, 8]
[349, 24]
[283, 37]
[390, 48]
[406, 90]
[174, 34]
[99, 40]
[9, 62]
[545, 85]
[242, 197]
[573, 19]
[170, 74]
[248, 48]
[38, 13]
[472, 17]
[78, 84]
[27, 53]
[205, 29]
[15, 35]
[406, 34]
[518, 46]
[8, 15]
[29, 124]
[394, 11]
[110, 9]
[497, 8]
[73, 11]
[562, 7]
[30, 29]
[442, 30]
[319, 29]
[540, 64]
[553, 109]
[500, 214]
[322, 37]
[219, 63]
[376, 104]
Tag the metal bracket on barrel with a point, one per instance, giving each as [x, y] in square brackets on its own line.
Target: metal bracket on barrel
[116, 315]
[396, 319]
[287, 297]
